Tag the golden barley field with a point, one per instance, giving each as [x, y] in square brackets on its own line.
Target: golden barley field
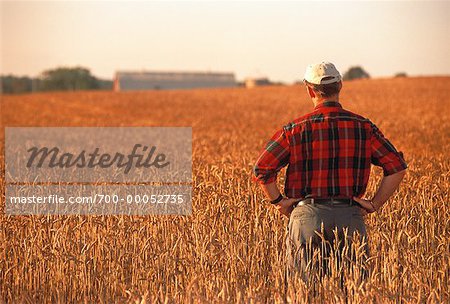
[231, 249]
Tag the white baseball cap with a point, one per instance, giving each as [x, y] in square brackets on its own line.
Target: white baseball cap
[322, 73]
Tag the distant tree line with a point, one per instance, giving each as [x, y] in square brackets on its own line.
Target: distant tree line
[357, 72]
[59, 79]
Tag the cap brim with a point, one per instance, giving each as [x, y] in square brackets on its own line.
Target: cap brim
[328, 81]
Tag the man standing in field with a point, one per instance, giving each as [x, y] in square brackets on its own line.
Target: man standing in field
[328, 154]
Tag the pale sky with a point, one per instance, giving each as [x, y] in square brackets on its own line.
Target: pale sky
[274, 39]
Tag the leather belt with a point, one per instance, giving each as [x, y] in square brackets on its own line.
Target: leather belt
[327, 201]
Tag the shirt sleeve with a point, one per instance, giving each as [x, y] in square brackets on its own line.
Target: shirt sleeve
[272, 158]
[384, 154]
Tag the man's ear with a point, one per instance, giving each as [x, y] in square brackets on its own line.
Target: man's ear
[311, 92]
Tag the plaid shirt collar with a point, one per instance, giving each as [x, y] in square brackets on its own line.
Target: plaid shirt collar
[328, 103]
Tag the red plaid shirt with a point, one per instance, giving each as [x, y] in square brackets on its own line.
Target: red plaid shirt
[328, 153]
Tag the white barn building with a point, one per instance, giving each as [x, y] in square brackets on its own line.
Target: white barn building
[129, 81]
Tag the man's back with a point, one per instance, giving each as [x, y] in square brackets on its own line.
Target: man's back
[328, 152]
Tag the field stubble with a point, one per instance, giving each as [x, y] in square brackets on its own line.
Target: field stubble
[232, 247]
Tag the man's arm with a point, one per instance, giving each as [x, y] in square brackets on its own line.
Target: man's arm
[394, 167]
[272, 193]
[387, 187]
[272, 158]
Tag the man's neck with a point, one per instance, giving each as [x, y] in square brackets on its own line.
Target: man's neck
[317, 101]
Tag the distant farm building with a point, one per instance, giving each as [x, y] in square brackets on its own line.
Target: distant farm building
[129, 81]
[256, 82]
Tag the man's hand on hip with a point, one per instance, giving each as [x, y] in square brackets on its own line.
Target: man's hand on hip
[285, 207]
[366, 206]
[387, 187]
